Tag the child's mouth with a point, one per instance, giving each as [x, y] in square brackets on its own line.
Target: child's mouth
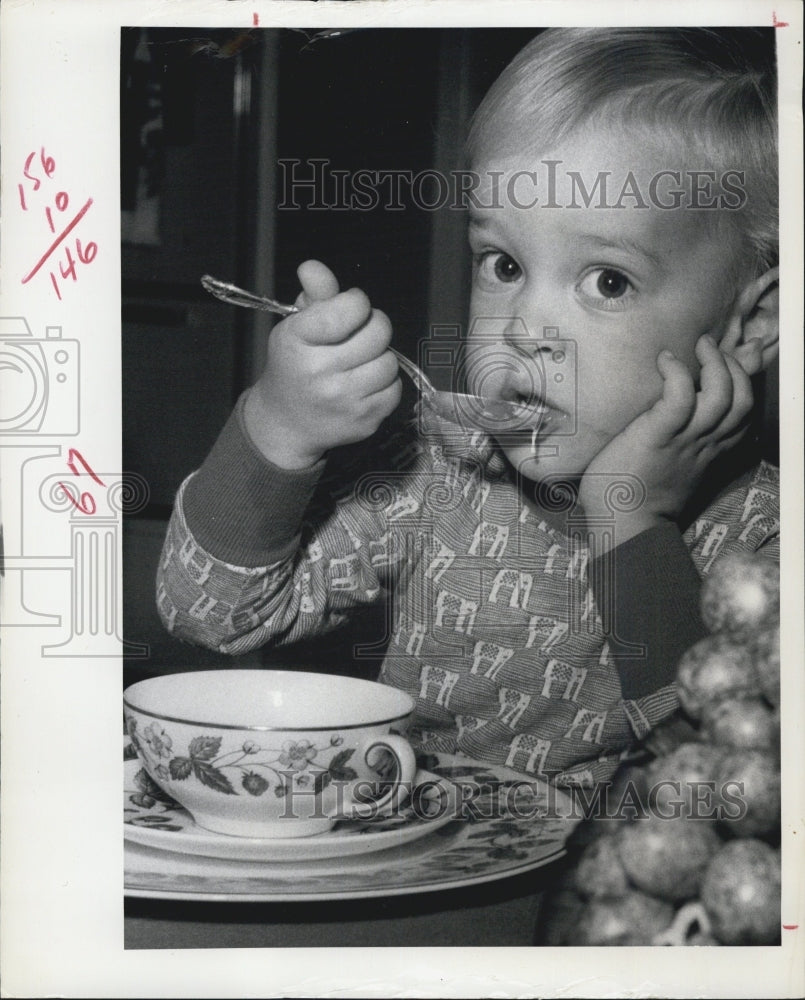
[498, 416]
[532, 405]
[535, 416]
[530, 401]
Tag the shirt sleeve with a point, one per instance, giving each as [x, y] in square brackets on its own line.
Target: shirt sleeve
[257, 555]
[648, 592]
[243, 508]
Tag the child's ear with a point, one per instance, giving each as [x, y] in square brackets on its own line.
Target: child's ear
[753, 330]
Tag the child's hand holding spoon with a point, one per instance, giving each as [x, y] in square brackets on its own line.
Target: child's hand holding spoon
[495, 416]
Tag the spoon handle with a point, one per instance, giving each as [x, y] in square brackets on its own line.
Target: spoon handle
[417, 376]
[235, 296]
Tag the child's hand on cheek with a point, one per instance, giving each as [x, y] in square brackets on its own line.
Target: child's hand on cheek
[670, 446]
[329, 378]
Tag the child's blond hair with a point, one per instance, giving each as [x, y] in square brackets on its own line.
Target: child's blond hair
[709, 93]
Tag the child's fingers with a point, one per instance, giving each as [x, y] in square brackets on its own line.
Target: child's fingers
[743, 398]
[369, 342]
[726, 443]
[318, 283]
[333, 320]
[674, 408]
[386, 401]
[750, 356]
[725, 398]
[374, 376]
[714, 399]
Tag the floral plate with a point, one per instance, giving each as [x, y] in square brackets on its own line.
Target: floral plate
[155, 820]
[509, 823]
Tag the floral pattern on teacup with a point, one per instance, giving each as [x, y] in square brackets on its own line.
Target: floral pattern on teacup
[158, 740]
[253, 768]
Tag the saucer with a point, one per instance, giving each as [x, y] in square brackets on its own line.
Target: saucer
[153, 819]
[511, 824]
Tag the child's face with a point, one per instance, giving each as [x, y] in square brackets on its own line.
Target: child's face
[620, 283]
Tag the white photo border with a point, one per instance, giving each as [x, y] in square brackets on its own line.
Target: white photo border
[62, 850]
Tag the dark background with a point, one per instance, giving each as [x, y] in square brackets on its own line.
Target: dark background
[224, 106]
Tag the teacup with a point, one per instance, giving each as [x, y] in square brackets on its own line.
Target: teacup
[272, 753]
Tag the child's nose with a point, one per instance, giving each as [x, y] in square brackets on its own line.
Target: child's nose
[525, 340]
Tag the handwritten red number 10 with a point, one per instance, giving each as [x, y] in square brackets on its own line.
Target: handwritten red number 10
[86, 504]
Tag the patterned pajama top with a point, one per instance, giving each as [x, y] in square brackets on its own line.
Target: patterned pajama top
[520, 646]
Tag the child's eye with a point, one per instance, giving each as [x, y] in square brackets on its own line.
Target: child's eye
[494, 267]
[606, 287]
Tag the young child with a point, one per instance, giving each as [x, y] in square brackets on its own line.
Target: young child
[542, 584]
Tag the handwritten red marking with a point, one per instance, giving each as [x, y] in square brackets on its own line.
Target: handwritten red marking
[27, 167]
[74, 454]
[55, 286]
[62, 201]
[57, 241]
[778, 24]
[21, 190]
[256, 20]
[86, 256]
[790, 927]
[48, 163]
[86, 502]
[70, 271]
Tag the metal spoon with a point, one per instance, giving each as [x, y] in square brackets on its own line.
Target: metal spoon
[495, 416]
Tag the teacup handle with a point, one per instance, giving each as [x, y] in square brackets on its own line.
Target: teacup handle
[400, 785]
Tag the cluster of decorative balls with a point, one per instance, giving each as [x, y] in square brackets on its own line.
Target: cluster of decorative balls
[702, 864]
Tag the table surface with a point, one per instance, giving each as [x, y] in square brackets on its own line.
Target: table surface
[494, 914]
